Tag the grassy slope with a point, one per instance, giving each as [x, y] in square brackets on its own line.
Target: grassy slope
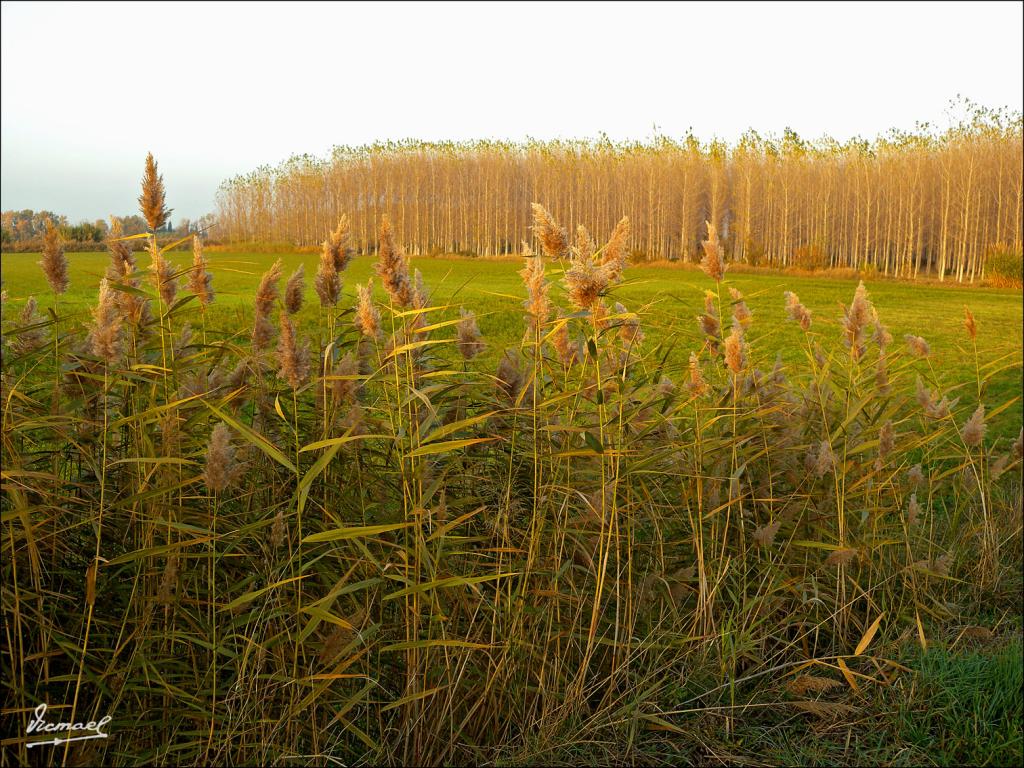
[668, 299]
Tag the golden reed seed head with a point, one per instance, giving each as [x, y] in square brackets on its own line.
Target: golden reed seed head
[913, 511]
[629, 328]
[882, 385]
[105, 334]
[509, 376]
[553, 238]
[584, 243]
[468, 339]
[740, 311]
[200, 281]
[28, 341]
[54, 263]
[295, 290]
[613, 255]
[735, 350]
[797, 311]
[339, 244]
[825, 460]
[367, 318]
[765, 535]
[538, 305]
[327, 282]
[917, 346]
[568, 352]
[886, 439]
[973, 431]
[856, 319]
[163, 274]
[278, 531]
[266, 295]
[346, 385]
[697, 385]
[969, 324]
[393, 266]
[222, 468]
[915, 476]
[713, 262]
[151, 201]
[882, 337]
[292, 356]
[840, 557]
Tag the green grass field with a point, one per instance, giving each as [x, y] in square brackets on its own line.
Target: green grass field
[667, 298]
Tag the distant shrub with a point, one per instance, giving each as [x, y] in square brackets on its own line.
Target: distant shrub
[810, 256]
[1004, 266]
[753, 252]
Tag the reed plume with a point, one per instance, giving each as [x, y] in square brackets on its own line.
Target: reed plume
[200, 281]
[797, 311]
[613, 255]
[697, 385]
[327, 282]
[393, 266]
[266, 296]
[629, 329]
[765, 535]
[163, 274]
[292, 356]
[339, 244]
[969, 324]
[33, 338]
[222, 468]
[152, 199]
[709, 322]
[295, 290]
[538, 305]
[345, 385]
[913, 511]
[840, 557]
[509, 379]
[54, 263]
[568, 352]
[713, 262]
[856, 319]
[367, 318]
[584, 280]
[553, 238]
[740, 311]
[105, 333]
[825, 459]
[915, 476]
[973, 431]
[735, 349]
[468, 340]
[917, 346]
[882, 337]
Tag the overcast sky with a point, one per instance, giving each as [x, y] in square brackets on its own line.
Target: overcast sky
[216, 90]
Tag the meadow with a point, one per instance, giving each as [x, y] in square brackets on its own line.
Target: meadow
[556, 510]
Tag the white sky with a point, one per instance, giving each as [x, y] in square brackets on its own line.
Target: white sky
[216, 90]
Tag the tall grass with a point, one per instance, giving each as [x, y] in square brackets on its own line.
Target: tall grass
[370, 547]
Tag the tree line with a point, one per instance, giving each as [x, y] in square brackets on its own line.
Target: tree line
[23, 230]
[907, 203]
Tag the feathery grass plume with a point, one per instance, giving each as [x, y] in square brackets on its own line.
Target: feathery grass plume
[915, 476]
[327, 282]
[266, 295]
[222, 468]
[30, 340]
[918, 347]
[713, 262]
[1018, 445]
[292, 356]
[843, 556]
[855, 320]
[168, 582]
[913, 511]
[567, 351]
[339, 244]
[345, 385]
[613, 255]
[163, 274]
[999, 467]
[696, 385]
[882, 385]
[881, 337]
[735, 349]
[151, 201]
[797, 311]
[54, 263]
[393, 266]
[584, 280]
[740, 311]
[538, 305]
[200, 281]
[973, 431]
[765, 535]
[295, 290]
[367, 318]
[469, 342]
[886, 439]
[509, 376]
[709, 322]
[278, 531]
[804, 684]
[825, 459]
[629, 328]
[355, 420]
[105, 334]
[969, 324]
[930, 403]
[553, 238]
[184, 339]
